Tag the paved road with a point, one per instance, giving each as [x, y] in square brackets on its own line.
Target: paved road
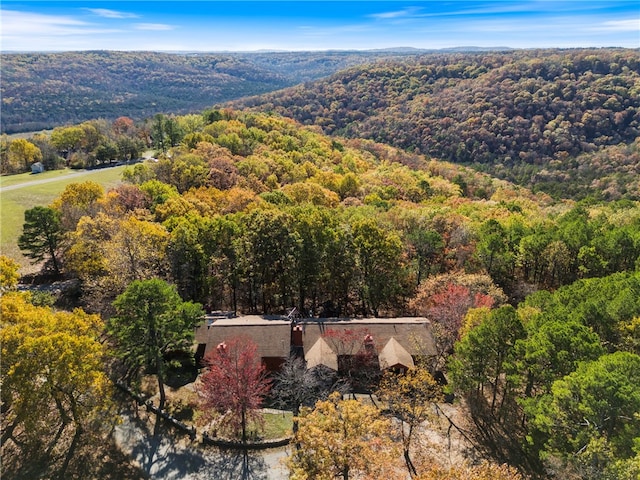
[163, 455]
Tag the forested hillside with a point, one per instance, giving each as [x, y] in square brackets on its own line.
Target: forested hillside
[43, 90]
[532, 117]
[534, 303]
[559, 121]
[265, 178]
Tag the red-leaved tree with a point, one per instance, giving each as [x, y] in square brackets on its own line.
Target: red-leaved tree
[447, 309]
[234, 384]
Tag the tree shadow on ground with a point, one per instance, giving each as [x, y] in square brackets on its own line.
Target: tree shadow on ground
[162, 454]
[179, 376]
[159, 453]
[239, 464]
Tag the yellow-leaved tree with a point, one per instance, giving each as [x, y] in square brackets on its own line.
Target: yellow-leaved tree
[466, 471]
[108, 254]
[9, 275]
[76, 201]
[21, 155]
[343, 439]
[54, 388]
[409, 397]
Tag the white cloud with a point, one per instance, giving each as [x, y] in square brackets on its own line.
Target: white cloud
[26, 31]
[453, 11]
[632, 25]
[106, 13]
[153, 26]
[15, 23]
[407, 12]
[492, 9]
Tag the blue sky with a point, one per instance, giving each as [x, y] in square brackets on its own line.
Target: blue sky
[315, 25]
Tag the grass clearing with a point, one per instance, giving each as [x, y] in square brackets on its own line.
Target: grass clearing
[274, 426]
[277, 425]
[33, 192]
[24, 178]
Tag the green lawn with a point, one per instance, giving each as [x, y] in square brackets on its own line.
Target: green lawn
[13, 203]
[23, 178]
[273, 426]
[277, 425]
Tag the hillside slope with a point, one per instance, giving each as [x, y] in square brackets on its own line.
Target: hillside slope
[43, 90]
[255, 214]
[511, 114]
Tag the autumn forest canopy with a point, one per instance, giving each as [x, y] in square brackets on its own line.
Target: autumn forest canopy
[494, 193]
[559, 121]
[563, 122]
[44, 90]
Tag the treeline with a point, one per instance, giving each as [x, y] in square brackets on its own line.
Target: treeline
[523, 116]
[253, 213]
[559, 121]
[43, 90]
[611, 172]
[90, 144]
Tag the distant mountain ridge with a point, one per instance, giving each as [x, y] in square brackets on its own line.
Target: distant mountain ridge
[562, 121]
[43, 90]
[520, 115]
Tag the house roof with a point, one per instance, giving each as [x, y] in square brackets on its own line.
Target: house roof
[412, 333]
[393, 355]
[321, 354]
[272, 335]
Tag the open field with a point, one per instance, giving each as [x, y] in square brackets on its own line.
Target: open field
[30, 178]
[27, 135]
[21, 192]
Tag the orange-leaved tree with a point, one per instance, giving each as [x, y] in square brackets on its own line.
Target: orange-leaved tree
[483, 471]
[446, 300]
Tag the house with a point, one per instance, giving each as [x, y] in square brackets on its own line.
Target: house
[37, 167]
[393, 343]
